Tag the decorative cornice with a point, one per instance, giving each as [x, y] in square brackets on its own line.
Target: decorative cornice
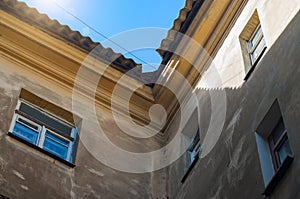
[58, 62]
[63, 32]
[209, 28]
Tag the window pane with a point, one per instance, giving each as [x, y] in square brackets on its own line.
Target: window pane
[278, 131]
[25, 133]
[194, 152]
[258, 50]
[284, 150]
[194, 142]
[193, 145]
[35, 127]
[56, 145]
[57, 138]
[257, 36]
[44, 118]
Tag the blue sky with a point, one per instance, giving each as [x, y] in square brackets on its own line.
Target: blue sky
[114, 18]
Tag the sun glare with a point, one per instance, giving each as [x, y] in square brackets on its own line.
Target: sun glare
[51, 7]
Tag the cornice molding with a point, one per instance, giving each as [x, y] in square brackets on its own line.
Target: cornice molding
[209, 28]
[25, 45]
[64, 33]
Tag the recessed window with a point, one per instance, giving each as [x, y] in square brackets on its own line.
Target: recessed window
[252, 43]
[279, 145]
[274, 150]
[194, 148]
[44, 131]
[256, 45]
[192, 154]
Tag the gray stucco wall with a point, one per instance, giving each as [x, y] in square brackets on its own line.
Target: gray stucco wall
[232, 169]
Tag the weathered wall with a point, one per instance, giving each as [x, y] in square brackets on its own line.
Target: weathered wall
[27, 173]
[232, 168]
[274, 17]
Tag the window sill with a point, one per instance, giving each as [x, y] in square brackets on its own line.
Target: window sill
[278, 175]
[255, 64]
[189, 169]
[41, 150]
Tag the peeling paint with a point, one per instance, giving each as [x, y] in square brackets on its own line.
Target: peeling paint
[134, 192]
[19, 175]
[135, 181]
[24, 187]
[235, 161]
[98, 173]
[235, 119]
[2, 180]
[2, 164]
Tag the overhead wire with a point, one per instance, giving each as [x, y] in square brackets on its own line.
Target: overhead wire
[101, 34]
[107, 38]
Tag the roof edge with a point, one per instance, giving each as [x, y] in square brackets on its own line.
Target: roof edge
[63, 32]
[186, 14]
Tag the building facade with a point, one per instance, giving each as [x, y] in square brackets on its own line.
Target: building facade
[42, 148]
[78, 120]
[244, 75]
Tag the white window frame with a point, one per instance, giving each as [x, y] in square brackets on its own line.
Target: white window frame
[256, 44]
[194, 148]
[192, 154]
[42, 129]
